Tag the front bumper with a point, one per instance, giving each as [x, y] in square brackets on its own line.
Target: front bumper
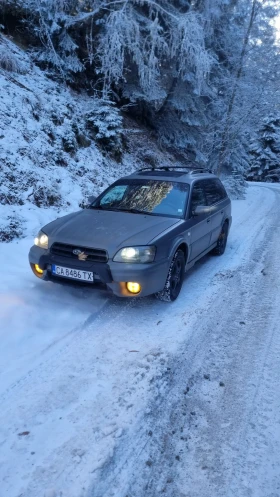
[151, 277]
[115, 275]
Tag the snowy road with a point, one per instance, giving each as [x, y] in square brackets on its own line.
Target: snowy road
[102, 397]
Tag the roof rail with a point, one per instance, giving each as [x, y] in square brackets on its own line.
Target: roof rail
[190, 169]
[201, 170]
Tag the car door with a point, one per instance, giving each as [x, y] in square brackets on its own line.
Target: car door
[200, 226]
[215, 197]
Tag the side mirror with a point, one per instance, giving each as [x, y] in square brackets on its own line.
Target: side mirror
[91, 199]
[86, 203]
[201, 209]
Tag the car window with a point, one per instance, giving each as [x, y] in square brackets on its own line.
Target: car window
[221, 188]
[214, 191]
[155, 197]
[198, 196]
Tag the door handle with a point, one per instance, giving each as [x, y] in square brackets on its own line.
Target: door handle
[222, 212]
[208, 220]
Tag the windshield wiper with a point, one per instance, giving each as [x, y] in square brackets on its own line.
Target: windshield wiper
[136, 211]
[133, 211]
[101, 208]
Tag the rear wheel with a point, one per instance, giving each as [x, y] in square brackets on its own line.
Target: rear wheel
[174, 278]
[222, 241]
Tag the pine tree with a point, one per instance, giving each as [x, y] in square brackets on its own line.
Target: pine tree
[265, 152]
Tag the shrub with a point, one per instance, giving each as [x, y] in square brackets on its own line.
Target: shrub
[8, 60]
[105, 122]
[11, 229]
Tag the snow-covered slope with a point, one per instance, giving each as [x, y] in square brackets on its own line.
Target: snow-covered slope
[48, 156]
[42, 163]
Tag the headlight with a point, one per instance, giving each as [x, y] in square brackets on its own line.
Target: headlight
[42, 240]
[136, 254]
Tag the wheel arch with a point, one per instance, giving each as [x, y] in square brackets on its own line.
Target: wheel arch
[180, 245]
[227, 222]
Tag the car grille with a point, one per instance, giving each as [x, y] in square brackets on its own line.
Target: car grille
[93, 254]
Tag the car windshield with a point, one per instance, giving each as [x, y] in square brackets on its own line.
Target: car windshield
[153, 197]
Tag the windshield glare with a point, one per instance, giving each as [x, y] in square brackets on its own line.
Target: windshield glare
[154, 197]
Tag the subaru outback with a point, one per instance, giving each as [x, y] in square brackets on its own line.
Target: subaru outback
[140, 235]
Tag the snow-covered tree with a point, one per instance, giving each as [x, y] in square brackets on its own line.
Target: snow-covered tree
[245, 78]
[265, 151]
[104, 122]
[199, 72]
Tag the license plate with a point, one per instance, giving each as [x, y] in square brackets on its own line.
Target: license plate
[74, 274]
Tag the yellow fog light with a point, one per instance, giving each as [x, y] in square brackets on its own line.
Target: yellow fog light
[38, 269]
[133, 287]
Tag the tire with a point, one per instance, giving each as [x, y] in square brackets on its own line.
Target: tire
[175, 278]
[222, 240]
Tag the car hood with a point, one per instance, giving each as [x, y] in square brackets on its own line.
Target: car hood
[109, 230]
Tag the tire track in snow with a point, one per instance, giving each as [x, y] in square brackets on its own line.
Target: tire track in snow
[40, 405]
[193, 444]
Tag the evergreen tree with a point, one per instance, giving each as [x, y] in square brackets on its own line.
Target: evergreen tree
[265, 152]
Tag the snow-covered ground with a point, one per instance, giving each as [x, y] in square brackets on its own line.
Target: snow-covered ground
[104, 397]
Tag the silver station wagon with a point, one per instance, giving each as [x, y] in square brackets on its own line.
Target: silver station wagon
[140, 235]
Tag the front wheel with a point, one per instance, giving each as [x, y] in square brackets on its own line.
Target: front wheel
[222, 241]
[174, 278]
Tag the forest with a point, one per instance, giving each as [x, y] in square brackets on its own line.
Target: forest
[202, 75]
